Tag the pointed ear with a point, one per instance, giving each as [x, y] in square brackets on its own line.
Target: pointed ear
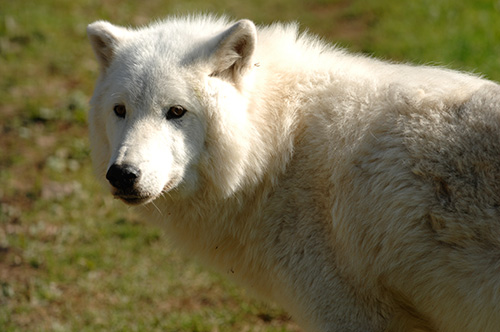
[233, 53]
[104, 38]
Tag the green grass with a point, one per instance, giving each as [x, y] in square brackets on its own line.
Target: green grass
[73, 259]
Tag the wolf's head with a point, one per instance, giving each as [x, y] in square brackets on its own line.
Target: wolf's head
[169, 111]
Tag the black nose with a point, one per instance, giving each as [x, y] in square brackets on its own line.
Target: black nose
[123, 176]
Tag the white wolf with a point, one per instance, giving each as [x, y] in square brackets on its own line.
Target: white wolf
[359, 195]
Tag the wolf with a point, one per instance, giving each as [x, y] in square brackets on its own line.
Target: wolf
[360, 195]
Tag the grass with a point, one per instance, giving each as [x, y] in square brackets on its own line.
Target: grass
[73, 259]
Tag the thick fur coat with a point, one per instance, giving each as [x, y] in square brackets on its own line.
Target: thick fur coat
[360, 195]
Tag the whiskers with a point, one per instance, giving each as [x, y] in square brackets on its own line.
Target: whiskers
[157, 208]
[164, 194]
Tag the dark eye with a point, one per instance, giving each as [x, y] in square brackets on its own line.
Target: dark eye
[175, 112]
[120, 110]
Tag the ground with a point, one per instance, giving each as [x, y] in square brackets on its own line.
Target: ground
[72, 258]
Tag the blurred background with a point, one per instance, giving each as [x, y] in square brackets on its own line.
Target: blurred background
[73, 259]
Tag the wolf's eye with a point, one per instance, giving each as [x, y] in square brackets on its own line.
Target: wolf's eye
[175, 112]
[120, 110]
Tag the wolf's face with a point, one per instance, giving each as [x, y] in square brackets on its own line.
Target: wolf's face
[151, 109]
[153, 130]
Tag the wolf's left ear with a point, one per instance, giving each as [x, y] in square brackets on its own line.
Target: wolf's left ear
[233, 53]
[104, 38]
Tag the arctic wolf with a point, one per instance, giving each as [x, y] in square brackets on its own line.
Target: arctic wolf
[359, 195]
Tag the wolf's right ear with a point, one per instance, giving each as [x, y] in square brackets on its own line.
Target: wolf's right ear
[233, 53]
[104, 38]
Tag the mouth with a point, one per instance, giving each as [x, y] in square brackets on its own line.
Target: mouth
[132, 198]
[135, 197]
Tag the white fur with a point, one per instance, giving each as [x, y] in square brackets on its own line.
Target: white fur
[360, 195]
